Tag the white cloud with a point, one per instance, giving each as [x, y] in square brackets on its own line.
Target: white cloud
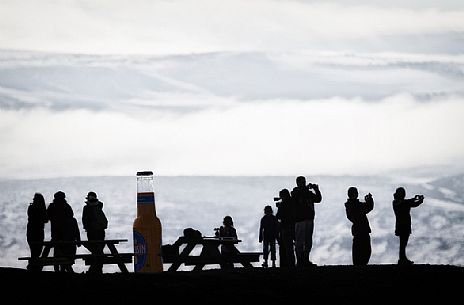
[336, 136]
[165, 27]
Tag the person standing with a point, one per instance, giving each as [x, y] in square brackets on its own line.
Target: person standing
[72, 235]
[59, 213]
[35, 233]
[402, 208]
[356, 212]
[268, 234]
[95, 223]
[304, 197]
[285, 215]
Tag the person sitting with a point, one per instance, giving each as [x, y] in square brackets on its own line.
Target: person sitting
[227, 231]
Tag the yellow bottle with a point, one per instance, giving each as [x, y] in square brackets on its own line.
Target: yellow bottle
[147, 227]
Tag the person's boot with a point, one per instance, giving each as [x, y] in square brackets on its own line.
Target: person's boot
[273, 264]
[405, 261]
[264, 264]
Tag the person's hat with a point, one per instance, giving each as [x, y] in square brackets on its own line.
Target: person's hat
[59, 195]
[91, 195]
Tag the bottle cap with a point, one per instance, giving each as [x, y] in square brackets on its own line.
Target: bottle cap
[145, 173]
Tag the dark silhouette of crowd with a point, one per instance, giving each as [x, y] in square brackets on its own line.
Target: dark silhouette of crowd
[296, 214]
[64, 229]
[291, 228]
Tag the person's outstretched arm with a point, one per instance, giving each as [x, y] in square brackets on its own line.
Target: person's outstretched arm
[369, 204]
[416, 201]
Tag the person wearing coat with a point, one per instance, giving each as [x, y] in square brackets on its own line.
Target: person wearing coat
[35, 231]
[356, 212]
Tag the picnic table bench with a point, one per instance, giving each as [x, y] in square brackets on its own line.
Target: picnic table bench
[210, 253]
[114, 257]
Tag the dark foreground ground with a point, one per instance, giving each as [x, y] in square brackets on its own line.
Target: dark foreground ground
[374, 284]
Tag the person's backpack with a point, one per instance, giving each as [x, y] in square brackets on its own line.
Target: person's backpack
[192, 233]
[101, 220]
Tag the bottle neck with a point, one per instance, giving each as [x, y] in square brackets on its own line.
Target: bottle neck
[146, 204]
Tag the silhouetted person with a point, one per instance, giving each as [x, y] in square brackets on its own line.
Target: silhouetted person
[227, 230]
[304, 197]
[59, 212]
[36, 219]
[95, 224]
[286, 215]
[356, 212]
[402, 208]
[268, 234]
[72, 234]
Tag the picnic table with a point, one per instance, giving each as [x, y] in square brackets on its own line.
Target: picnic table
[114, 257]
[210, 253]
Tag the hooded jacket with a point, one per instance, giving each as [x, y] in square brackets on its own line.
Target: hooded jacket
[93, 217]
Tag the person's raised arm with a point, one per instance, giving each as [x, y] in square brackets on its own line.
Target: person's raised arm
[316, 196]
[369, 203]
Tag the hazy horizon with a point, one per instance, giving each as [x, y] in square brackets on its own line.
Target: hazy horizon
[202, 202]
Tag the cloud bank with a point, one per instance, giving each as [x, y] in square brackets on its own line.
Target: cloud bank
[336, 136]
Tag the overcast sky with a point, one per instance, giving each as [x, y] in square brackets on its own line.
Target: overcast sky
[230, 87]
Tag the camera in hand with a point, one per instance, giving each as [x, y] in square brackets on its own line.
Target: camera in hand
[278, 201]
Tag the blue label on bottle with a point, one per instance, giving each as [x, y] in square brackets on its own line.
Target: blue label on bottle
[145, 198]
[140, 251]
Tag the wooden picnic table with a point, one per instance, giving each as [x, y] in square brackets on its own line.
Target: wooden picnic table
[210, 253]
[114, 257]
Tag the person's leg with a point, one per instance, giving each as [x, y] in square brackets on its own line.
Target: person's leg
[57, 252]
[403, 243]
[361, 249]
[368, 249]
[96, 249]
[265, 252]
[36, 250]
[299, 242]
[287, 240]
[355, 251]
[309, 228]
[272, 246]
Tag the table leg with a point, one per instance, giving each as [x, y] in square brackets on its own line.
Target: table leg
[46, 251]
[188, 248]
[115, 252]
[210, 251]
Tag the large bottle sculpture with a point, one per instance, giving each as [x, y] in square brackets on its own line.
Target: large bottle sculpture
[147, 227]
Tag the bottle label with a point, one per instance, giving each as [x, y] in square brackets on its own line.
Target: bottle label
[140, 251]
[143, 198]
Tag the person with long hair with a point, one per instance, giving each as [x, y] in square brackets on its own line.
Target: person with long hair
[402, 208]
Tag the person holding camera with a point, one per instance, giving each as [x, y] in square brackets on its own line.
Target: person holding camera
[304, 197]
[402, 208]
[356, 212]
[286, 216]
